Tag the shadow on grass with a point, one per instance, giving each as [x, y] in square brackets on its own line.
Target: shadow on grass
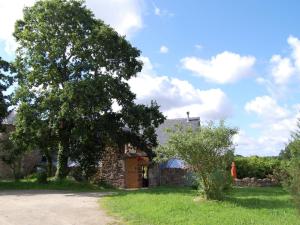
[260, 198]
[258, 203]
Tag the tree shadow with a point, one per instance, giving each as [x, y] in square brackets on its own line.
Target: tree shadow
[260, 198]
[258, 203]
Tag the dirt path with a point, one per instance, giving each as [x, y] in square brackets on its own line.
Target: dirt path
[51, 208]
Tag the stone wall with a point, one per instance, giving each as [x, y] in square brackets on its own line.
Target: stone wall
[167, 176]
[254, 182]
[5, 171]
[173, 177]
[28, 164]
[112, 168]
[153, 175]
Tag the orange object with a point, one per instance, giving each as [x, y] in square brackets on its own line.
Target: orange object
[233, 170]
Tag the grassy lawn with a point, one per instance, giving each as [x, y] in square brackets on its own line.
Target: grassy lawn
[32, 184]
[176, 206]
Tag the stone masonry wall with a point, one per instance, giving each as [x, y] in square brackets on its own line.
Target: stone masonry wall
[254, 182]
[154, 175]
[167, 176]
[173, 177]
[28, 163]
[112, 168]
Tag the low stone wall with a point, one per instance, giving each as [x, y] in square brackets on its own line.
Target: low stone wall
[254, 182]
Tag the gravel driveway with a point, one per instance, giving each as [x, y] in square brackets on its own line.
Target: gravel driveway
[51, 208]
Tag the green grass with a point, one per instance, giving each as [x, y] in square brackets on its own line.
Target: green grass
[32, 184]
[176, 206]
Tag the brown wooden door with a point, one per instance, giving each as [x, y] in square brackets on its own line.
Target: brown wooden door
[132, 173]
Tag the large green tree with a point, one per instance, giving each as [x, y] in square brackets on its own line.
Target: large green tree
[5, 82]
[72, 69]
[207, 150]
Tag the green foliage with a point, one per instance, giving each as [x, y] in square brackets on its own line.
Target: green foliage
[208, 150]
[255, 166]
[41, 176]
[52, 184]
[72, 69]
[11, 154]
[5, 81]
[292, 182]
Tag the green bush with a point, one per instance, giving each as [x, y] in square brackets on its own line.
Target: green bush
[217, 183]
[77, 174]
[294, 181]
[254, 166]
[41, 176]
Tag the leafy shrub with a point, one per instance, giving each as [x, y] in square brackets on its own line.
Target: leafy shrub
[208, 150]
[292, 182]
[77, 174]
[192, 180]
[217, 183]
[41, 176]
[255, 166]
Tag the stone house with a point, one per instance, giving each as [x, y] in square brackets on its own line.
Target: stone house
[130, 168]
[126, 167]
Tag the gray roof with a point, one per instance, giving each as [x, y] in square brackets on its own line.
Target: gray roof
[162, 135]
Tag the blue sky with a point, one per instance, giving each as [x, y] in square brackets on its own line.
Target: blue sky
[238, 60]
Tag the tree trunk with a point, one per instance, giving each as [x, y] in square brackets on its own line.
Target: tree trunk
[49, 163]
[16, 168]
[62, 162]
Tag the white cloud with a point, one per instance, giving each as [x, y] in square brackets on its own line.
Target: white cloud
[274, 134]
[159, 12]
[176, 96]
[282, 69]
[123, 15]
[274, 127]
[266, 107]
[226, 67]
[198, 46]
[10, 11]
[164, 49]
[295, 45]
[266, 145]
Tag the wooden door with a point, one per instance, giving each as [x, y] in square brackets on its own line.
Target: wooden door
[132, 173]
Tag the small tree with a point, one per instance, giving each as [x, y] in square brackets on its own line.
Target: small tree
[208, 150]
[292, 181]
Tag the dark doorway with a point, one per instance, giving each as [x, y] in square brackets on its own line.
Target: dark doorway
[145, 176]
